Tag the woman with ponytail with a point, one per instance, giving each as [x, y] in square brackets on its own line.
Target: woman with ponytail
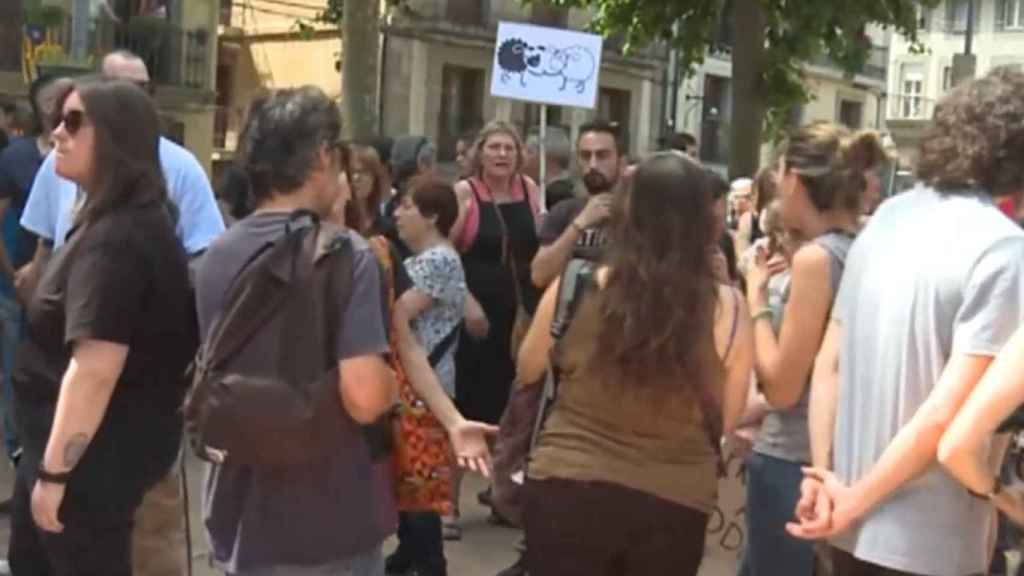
[820, 174]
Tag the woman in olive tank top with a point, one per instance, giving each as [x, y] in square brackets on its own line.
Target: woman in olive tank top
[654, 364]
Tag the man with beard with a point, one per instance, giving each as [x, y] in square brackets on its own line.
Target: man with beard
[575, 228]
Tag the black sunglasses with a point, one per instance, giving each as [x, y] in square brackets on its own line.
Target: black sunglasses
[72, 121]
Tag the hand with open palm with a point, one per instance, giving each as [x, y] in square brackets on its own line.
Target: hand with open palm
[470, 443]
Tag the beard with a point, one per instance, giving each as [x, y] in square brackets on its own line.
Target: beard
[597, 183]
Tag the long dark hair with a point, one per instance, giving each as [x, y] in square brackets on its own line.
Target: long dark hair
[657, 306]
[126, 159]
[357, 212]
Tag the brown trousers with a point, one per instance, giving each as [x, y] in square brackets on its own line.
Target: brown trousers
[158, 539]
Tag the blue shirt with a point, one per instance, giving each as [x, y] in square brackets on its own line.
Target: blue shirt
[49, 212]
[19, 163]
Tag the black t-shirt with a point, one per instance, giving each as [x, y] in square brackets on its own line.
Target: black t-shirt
[590, 244]
[123, 279]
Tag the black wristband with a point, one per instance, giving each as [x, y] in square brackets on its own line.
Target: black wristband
[51, 477]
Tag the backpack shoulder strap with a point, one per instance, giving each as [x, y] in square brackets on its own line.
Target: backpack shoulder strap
[334, 266]
[253, 297]
[577, 275]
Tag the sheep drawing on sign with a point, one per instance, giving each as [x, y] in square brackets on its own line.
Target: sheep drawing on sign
[574, 64]
[512, 60]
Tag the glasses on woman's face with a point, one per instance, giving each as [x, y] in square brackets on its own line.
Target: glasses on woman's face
[72, 121]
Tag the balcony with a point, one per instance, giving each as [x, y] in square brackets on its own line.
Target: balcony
[175, 56]
[876, 67]
[909, 116]
[910, 108]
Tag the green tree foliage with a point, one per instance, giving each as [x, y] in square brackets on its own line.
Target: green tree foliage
[794, 32]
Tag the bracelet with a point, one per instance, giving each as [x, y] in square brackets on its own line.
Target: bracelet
[52, 477]
[765, 312]
[575, 225]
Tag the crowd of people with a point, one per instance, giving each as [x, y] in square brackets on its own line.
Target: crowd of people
[341, 332]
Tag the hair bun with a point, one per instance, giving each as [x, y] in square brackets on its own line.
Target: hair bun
[862, 151]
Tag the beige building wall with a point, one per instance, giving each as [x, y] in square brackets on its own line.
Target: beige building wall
[917, 81]
[194, 109]
[265, 51]
[417, 54]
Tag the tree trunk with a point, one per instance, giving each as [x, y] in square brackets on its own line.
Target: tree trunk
[748, 107]
[359, 54]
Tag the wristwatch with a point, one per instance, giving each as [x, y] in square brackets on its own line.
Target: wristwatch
[52, 477]
[997, 487]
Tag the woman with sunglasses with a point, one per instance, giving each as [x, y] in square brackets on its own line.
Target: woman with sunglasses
[99, 379]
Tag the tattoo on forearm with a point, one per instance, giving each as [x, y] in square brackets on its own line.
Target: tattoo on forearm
[74, 449]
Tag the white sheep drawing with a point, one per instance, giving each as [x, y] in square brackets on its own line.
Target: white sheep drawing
[574, 64]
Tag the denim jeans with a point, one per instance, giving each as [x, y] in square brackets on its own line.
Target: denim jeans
[10, 335]
[773, 489]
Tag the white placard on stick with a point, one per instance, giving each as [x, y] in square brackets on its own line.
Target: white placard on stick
[546, 65]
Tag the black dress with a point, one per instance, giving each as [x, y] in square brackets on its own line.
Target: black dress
[485, 369]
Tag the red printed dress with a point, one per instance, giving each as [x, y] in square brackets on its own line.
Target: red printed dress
[423, 460]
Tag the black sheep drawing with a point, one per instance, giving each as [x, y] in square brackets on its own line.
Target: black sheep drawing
[512, 60]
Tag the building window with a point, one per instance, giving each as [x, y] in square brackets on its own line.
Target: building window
[466, 12]
[11, 20]
[225, 13]
[613, 105]
[956, 15]
[911, 96]
[947, 78]
[716, 119]
[795, 117]
[851, 113]
[924, 17]
[462, 98]
[531, 117]
[1012, 17]
[725, 37]
[544, 14]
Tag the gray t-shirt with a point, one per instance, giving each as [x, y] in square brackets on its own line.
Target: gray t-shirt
[931, 276]
[320, 514]
[437, 272]
[784, 433]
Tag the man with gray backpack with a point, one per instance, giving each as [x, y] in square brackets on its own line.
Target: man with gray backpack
[292, 361]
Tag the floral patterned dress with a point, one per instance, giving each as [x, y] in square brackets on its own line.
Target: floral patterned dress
[423, 460]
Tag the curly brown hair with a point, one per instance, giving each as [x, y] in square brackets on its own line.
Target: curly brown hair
[660, 296]
[976, 139]
[831, 162]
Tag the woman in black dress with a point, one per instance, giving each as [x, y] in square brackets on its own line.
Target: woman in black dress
[496, 232]
[98, 381]
[497, 236]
